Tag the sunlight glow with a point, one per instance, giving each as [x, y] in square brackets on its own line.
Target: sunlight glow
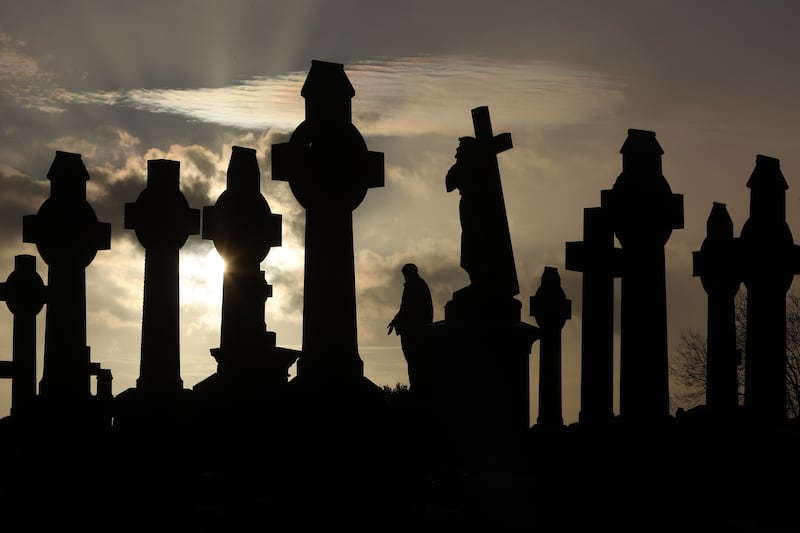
[214, 264]
[201, 278]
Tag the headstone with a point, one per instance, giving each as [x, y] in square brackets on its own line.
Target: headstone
[552, 309]
[770, 261]
[67, 234]
[243, 229]
[24, 293]
[643, 212]
[163, 221]
[242, 400]
[599, 261]
[717, 263]
[329, 170]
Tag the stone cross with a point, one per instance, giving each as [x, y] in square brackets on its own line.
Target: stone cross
[243, 229]
[329, 170]
[67, 234]
[643, 212]
[163, 221]
[552, 309]
[717, 263]
[770, 262]
[24, 293]
[599, 261]
[494, 219]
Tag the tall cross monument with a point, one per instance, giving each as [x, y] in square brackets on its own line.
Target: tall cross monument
[643, 211]
[163, 221]
[329, 170]
[67, 234]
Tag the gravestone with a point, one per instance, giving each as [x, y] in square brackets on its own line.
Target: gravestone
[163, 221]
[717, 263]
[552, 309]
[643, 212]
[329, 170]
[599, 261]
[67, 235]
[770, 261]
[251, 370]
[25, 294]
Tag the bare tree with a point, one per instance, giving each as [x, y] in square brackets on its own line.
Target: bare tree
[687, 364]
[793, 355]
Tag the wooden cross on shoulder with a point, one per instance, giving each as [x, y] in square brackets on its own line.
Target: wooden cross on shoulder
[483, 131]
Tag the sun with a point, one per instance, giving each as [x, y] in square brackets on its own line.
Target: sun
[201, 274]
[214, 264]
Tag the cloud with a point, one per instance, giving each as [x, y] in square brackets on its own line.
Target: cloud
[395, 96]
[429, 94]
[23, 81]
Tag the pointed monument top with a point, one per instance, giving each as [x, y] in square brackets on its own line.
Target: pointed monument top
[243, 172]
[329, 79]
[767, 174]
[719, 223]
[550, 276]
[641, 142]
[67, 163]
[767, 160]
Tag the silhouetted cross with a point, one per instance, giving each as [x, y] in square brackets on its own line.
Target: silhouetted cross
[163, 221]
[483, 131]
[329, 170]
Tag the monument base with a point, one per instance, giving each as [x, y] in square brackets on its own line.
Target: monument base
[477, 385]
[245, 397]
[136, 411]
[248, 375]
[333, 420]
[471, 304]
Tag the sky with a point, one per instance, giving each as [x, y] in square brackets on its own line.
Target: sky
[124, 82]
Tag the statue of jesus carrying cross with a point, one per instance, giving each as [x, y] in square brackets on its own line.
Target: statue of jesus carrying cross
[486, 252]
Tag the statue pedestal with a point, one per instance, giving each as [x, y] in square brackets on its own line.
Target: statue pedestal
[476, 306]
[478, 386]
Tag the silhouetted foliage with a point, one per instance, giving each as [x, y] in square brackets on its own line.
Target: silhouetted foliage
[397, 395]
[688, 366]
[793, 354]
[688, 363]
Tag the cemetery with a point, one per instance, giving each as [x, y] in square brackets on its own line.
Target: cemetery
[248, 448]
